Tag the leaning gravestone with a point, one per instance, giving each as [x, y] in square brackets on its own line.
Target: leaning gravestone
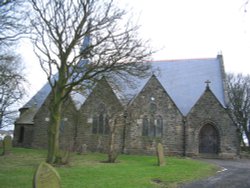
[46, 177]
[7, 145]
[160, 155]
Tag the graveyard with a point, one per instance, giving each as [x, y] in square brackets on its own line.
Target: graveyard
[17, 169]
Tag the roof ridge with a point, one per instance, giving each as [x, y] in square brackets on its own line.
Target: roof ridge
[184, 59]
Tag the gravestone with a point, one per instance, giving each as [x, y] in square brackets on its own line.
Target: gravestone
[160, 155]
[82, 149]
[7, 145]
[46, 177]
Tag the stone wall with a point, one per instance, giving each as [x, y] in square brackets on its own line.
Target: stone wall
[67, 126]
[208, 110]
[101, 97]
[23, 135]
[153, 95]
[180, 135]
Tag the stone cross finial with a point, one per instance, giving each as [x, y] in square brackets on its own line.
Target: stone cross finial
[208, 82]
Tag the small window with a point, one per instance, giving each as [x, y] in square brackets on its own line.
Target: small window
[145, 126]
[95, 125]
[152, 108]
[102, 108]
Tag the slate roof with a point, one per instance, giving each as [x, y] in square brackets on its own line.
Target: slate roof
[184, 80]
[33, 105]
[38, 99]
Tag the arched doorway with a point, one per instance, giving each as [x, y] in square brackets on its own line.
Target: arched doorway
[208, 140]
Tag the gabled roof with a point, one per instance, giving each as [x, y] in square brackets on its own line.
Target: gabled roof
[33, 105]
[184, 81]
[39, 98]
[206, 92]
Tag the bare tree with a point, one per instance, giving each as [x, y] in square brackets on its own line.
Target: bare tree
[83, 40]
[239, 103]
[11, 77]
[11, 88]
[12, 18]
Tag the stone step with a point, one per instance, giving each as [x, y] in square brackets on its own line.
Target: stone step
[209, 155]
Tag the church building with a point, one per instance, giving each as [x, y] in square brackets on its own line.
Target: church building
[183, 105]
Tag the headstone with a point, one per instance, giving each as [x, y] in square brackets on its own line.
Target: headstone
[46, 177]
[7, 145]
[82, 149]
[160, 155]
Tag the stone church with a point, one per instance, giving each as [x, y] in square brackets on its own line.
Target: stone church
[181, 105]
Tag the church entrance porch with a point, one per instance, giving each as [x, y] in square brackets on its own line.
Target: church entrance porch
[208, 140]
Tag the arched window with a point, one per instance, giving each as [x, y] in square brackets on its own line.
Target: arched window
[153, 126]
[95, 125]
[101, 124]
[100, 121]
[159, 126]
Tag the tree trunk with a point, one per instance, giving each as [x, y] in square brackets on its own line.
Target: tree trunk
[54, 129]
[112, 153]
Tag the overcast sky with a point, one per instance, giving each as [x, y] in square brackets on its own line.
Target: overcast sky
[182, 29]
[197, 29]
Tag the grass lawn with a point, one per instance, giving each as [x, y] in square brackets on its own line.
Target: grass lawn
[17, 169]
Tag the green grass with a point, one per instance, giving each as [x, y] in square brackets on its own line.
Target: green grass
[17, 169]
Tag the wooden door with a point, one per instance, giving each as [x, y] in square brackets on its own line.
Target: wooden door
[208, 140]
